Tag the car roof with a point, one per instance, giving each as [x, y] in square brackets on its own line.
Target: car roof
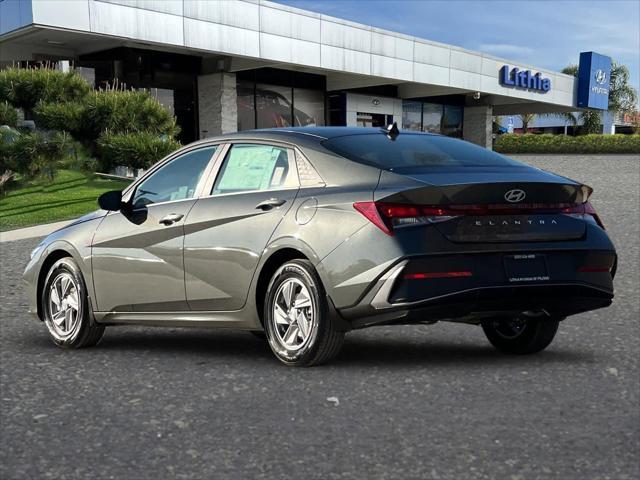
[308, 135]
[331, 132]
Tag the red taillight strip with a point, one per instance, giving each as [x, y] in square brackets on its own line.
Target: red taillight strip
[381, 214]
[428, 275]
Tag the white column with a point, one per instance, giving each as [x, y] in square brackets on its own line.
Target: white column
[478, 125]
[217, 107]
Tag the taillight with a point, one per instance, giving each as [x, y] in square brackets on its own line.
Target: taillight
[386, 216]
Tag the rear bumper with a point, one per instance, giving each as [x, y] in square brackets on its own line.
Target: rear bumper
[486, 289]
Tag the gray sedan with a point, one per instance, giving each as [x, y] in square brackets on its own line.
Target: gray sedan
[303, 234]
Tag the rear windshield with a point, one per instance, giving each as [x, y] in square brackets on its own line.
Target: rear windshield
[408, 151]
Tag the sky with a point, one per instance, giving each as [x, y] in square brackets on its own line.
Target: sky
[543, 33]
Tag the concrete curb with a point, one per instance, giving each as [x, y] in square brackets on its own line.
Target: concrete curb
[32, 232]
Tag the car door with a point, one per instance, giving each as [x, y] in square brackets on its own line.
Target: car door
[137, 253]
[252, 188]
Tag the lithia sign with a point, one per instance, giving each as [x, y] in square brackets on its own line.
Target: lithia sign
[525, 79]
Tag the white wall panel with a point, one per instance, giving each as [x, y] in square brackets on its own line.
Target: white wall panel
[136, 23]
[431, 54]
[73, 14]
[431, 74]
[465, 61]
[236, 13]
[287, 24]
[465, 80]
[221, 38]
[164, 6]
[339, 35]
[282, 49]
[391, 67]
[357, 62]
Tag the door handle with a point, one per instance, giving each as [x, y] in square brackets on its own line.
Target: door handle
[271, 203]
[171, 219]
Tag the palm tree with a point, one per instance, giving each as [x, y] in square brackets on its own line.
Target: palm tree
[526, 119]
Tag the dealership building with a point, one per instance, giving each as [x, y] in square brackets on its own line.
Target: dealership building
[222, 66]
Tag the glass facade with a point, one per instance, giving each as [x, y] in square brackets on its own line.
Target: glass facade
[273, 106]
[308, 107]
[269, 98]
[412, 115]
[245, 91]
[432, 117]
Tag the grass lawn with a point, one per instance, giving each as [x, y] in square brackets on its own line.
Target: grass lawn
[71, 195]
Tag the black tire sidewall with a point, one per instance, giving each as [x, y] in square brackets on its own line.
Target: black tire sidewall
[68, 265]
[536, 336]
[303, 271]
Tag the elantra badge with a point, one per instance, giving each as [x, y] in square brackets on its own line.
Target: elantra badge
[514, 196]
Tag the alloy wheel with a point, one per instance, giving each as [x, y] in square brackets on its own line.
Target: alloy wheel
[293, 313]
[64, 315]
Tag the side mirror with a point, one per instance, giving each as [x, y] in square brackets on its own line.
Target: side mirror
[110, 200]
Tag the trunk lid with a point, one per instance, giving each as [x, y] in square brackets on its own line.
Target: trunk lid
[491, 204]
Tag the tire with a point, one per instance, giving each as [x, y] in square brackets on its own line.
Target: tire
[521, 335]
[66, 313]
[304, 335]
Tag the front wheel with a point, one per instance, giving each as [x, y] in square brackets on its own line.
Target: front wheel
[521, 335]
[296, 317]
[65, 307]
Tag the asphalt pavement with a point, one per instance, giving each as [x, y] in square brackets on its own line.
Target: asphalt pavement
[431, 402]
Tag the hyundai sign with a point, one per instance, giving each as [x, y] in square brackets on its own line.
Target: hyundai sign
[526, 79]
[593, 81]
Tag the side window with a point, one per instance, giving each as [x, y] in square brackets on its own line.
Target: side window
[177, 180]
[251, 167]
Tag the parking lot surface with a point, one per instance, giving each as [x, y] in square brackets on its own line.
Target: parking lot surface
[399, 402]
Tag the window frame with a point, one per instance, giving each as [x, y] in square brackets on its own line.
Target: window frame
[292, 181]
[129, 193]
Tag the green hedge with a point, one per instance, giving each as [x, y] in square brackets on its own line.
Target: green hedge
[546, 143]
[135, 150]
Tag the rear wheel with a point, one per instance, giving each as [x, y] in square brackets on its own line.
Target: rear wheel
[297, 320]
[65, 307]
[521, 335]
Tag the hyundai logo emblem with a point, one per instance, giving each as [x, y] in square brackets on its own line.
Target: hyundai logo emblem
[376, 101]
[515, 195]
[601, 77]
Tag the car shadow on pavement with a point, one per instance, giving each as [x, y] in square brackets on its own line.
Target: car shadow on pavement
[399, 351]
[440, 352]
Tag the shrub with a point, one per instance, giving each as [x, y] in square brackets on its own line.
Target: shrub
[547, 143]
[126, 111]
[135, 150]
[36, 153]
[25, 87]
[59, 116]
[8, 115]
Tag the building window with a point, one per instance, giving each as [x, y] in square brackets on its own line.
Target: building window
[308, 107]
[440, 118]
[452, 121]
[273, 106]
[432, 118]
[246, 105]
[271, 98]
[412, 115]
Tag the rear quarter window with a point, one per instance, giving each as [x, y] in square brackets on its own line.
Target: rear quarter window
[408, 151]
